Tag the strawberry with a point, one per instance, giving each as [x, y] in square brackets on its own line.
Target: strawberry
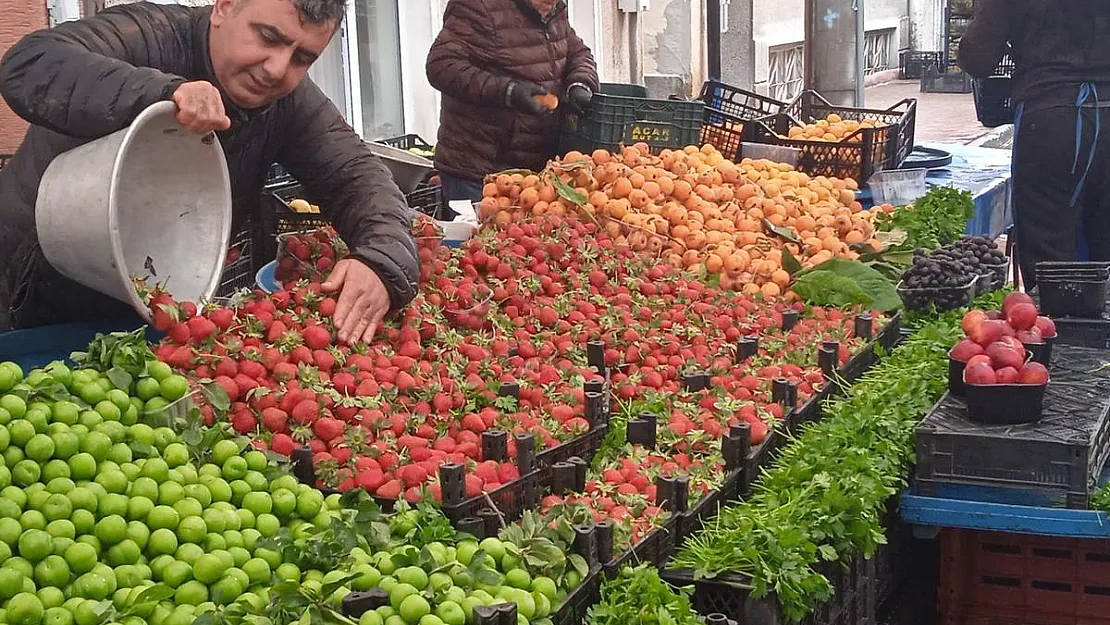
[389, 490]
[201, 329]
[327, 428]
[244, 423]
[275, 420]
[305, 412]
[316, 337]
[283, 444]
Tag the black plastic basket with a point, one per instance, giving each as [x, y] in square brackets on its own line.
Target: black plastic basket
[859, 155]
[277, 176]
[943, 298]
[1054, 462]
[727, 109]
[613, 121]
[913, 65]
[852, 602]
[278, 218]
[1073, 298]
[894, 563]
[936, 80]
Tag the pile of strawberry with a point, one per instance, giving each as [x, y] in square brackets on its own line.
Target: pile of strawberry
[517, 305]
[308, 255]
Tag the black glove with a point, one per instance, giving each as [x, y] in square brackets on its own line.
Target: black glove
[522, 97]
[579, 98]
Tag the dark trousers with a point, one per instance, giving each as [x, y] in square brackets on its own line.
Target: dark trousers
[1047, 177]
[460, 189]
[38, 295]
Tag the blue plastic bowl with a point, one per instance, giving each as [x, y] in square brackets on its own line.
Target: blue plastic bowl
[265, 278]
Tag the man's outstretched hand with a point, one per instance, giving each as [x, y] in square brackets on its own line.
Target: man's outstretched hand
[200, 108]
[363, 300]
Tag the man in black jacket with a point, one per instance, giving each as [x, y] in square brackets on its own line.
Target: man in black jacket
[237, 68]
[1061, 88]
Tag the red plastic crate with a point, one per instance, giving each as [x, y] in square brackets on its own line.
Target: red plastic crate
[995, 578]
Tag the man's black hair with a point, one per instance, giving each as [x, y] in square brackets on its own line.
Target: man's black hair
[322, 11]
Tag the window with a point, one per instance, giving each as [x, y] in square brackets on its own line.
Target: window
[379, 68]
[786, 71]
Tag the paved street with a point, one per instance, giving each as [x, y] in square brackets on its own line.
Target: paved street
[941, 117]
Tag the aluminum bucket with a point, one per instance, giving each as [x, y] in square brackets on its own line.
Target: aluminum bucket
[152, 200]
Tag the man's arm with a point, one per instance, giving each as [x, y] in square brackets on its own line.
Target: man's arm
[353, 188]
[92, 77]
[984, 44]
[454, 66]
[581, 67]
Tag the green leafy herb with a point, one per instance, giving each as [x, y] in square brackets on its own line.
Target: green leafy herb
[123, 356]
[821, 502]
[937, 219]
[638, 596]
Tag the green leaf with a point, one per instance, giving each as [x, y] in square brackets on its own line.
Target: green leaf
[487, 576]
[789, 263]
[880, 290]
[579, 564]
[120, 378]
[216, 396]
[780, 231]
[825, 288]
[828, 553]
[568, 192]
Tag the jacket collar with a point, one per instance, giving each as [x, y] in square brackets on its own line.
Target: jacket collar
[203, 67]
[529, 10]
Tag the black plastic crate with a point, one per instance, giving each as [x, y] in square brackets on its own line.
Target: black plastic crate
[278, 218]
[706, 508]
[913, 65]
[859, 155]
[613, 121]
[1055, 461]
[727, 109]
[623, 89]
[1078, 297]
[657, 547]
[852, 602]
[759, 458]
[936, 80]
[429, 200]
[572, 611]
[894, 561]
[901, 117]
[887, 339]
[583, 447]
[241, 263]
[407, 142]
[884, 341]
[276, 175]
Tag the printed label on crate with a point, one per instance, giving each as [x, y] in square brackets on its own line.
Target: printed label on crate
[648, 132]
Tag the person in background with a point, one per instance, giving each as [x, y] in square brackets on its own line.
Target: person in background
[237, 68]
[495, 62]
[1061, 91]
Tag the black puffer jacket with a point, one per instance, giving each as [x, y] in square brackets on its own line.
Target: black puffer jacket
[92, 77]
